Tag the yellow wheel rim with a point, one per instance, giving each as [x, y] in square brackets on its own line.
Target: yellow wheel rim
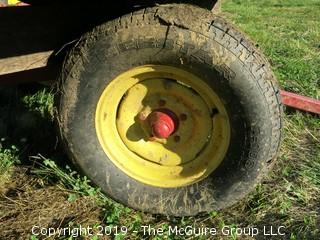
[190, 154]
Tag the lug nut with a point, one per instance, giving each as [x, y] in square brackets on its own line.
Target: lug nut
[183, 116]
[176, 138]
[162, 102]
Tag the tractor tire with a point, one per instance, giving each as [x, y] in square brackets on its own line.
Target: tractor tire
[198, 63]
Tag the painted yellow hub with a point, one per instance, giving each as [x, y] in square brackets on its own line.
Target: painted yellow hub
[187, 156]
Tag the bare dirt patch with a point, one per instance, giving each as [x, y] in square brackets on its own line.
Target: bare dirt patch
[27, 202]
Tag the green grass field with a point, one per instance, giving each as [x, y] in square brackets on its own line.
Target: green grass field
[39, 186]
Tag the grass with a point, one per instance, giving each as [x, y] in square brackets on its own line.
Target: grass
[41, 102]
[288, 32]
[8, 157]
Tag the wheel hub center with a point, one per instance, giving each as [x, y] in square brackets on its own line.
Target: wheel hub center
[163, 123]
[159, 117]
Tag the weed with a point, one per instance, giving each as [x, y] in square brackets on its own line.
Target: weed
[70, 179]
[41, 102]
[33, 237]
[8, 157]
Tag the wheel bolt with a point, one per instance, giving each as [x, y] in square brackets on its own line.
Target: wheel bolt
[162, 102]
[183, 116]
[176, 138]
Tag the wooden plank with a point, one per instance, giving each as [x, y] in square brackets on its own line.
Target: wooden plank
[29, 34]
[24, 62]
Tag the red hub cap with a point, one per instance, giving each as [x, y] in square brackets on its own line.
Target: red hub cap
[163, 123]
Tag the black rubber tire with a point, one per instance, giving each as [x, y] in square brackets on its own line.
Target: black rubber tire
[194, 39]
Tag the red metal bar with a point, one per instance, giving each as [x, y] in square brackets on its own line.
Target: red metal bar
[300, 102]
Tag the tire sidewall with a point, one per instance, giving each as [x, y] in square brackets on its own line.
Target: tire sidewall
[227, 75]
